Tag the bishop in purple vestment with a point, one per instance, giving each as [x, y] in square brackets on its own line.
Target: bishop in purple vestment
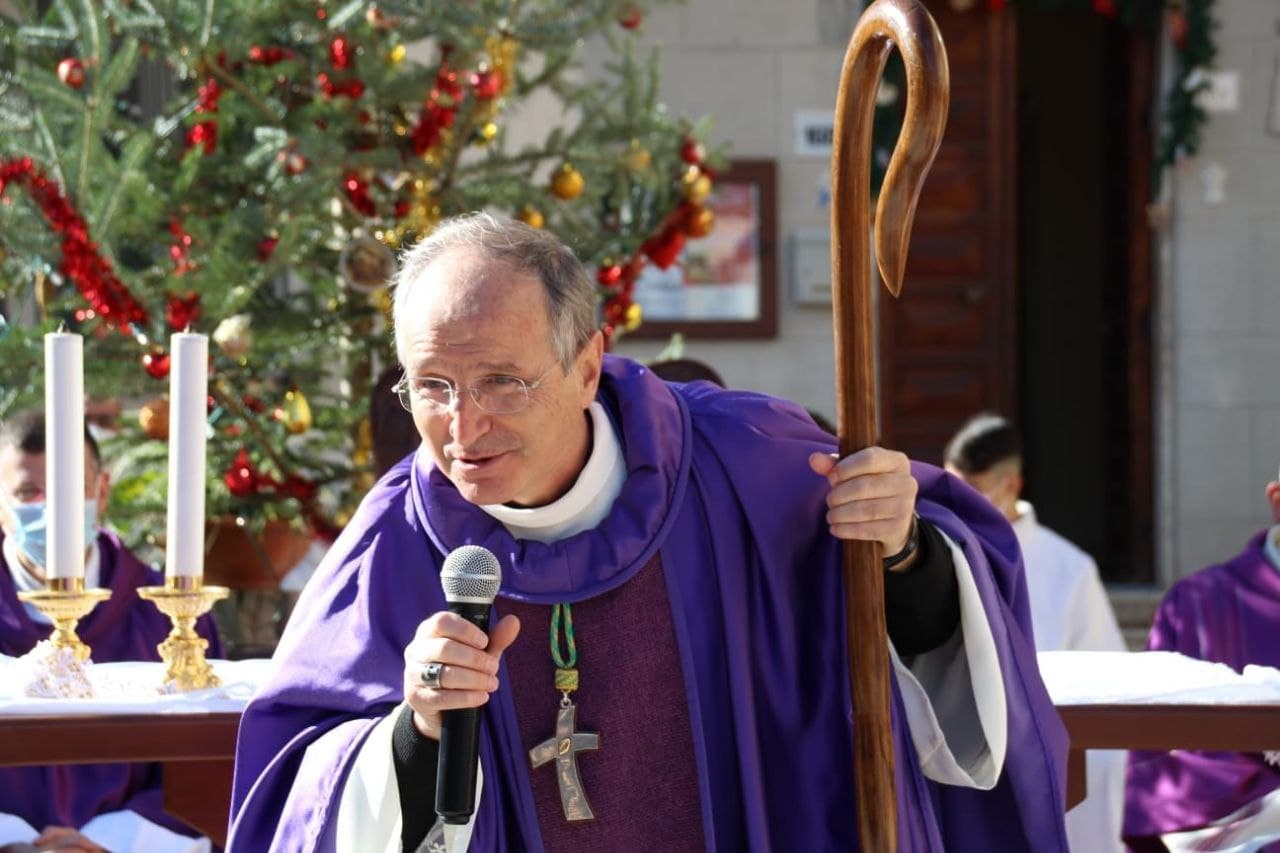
[1228, 613]
[694, 533]
[123, 628]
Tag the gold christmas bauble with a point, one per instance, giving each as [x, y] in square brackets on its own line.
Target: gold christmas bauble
[294, 412]
[396, 55]
[567, 183]
[531, 216]
[695, 185]
[699, 222]
[638, 157]
[634, 316]
[153, 417]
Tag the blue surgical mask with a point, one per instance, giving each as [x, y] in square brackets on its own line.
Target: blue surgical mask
[31, 528]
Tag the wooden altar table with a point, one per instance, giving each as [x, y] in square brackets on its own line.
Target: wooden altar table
[1231, 728]
[196, 751]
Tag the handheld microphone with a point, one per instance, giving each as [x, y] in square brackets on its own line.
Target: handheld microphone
[470, 577]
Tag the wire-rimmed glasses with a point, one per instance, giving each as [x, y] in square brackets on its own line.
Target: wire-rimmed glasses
[498, 394]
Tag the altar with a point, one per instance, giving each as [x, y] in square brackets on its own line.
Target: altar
[1107, 700]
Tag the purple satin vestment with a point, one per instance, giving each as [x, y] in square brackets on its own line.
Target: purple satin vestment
[1229, 613]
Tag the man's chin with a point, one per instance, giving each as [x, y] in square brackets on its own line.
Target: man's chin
[480, 489]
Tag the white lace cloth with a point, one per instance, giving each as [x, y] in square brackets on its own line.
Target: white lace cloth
[133, 687]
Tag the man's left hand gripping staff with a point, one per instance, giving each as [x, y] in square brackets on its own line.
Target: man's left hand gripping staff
[872, 497]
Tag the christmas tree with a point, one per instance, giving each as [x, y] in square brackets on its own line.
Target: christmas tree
[248, 169]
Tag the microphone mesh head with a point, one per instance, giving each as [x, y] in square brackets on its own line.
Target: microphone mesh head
[470, 575]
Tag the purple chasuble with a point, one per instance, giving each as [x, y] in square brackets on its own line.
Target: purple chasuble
[641, 786]
[123, 628]
[719, 490]
[1229, 613]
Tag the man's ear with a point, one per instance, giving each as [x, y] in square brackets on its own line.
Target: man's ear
[1273, 498]
[590, 363]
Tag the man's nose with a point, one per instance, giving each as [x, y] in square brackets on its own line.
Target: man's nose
[466, 419]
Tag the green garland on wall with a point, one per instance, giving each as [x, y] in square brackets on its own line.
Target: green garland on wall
[1187, 24]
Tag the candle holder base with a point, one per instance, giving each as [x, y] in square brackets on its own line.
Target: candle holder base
[183, 600]
[66, 602]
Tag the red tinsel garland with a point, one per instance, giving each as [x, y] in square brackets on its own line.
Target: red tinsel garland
[90, 272]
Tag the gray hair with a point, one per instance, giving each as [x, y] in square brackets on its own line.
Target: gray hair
[571, 295]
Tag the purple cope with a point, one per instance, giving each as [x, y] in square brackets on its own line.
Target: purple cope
[719, 488]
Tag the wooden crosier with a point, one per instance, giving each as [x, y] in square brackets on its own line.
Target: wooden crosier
[886, 23]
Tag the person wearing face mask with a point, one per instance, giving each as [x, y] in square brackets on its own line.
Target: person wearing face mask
[78, 807]
[1069, 606]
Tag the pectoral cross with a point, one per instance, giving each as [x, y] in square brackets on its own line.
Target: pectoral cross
[564, 747]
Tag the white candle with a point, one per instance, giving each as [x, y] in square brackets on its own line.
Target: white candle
[64, 454]
[188, 390]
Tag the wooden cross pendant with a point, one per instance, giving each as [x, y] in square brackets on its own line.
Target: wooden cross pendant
[563, 747]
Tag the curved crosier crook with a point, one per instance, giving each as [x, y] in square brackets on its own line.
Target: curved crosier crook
[886, 23]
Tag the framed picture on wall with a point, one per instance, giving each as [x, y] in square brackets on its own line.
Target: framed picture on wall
[723, 285]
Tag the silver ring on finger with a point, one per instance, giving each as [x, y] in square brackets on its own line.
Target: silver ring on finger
[430, 675]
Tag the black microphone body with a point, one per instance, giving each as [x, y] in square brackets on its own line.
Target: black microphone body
[460, 743]
[470, 578]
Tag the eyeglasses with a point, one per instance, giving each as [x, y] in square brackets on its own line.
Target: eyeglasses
[497, 395]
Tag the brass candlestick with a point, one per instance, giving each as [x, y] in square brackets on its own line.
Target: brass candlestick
[65, 601]
[184, 600]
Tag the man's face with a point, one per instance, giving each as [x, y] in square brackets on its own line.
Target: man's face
[22, 481]
[1001, 485]
[469, 318]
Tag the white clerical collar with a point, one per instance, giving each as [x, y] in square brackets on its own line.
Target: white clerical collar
[586, 503]
[1271, 547]
[27, 582]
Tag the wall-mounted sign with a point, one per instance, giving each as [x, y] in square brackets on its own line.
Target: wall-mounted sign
[814, 132]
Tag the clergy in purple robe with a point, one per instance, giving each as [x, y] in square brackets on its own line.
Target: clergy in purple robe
[1227, 613]
[669, 668]
[120, 803]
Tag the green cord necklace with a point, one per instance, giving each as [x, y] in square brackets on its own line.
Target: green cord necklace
[563, 747]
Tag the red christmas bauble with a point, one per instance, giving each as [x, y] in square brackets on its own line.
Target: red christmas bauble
[295, 163]
[692, 152]
[156, 363]
[242, 481]
[609, 276]
[630, 17]
[267, 247]
[71, 72]
[1105, 7]
[203, 135]
[486, 85]
[340, 53]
